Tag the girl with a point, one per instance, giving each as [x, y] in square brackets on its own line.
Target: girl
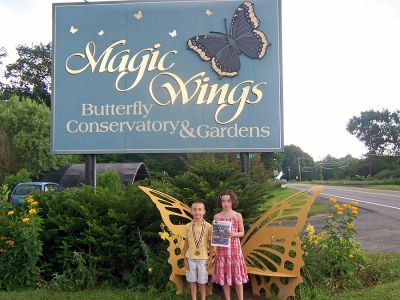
[229, 265]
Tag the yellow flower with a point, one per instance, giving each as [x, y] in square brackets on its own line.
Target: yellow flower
[340, 212]
[34, 203]
[346, 205]
[332, 200]
[351, 256]
[337, 206]
[354, 202]
[11, 212]
[30, 199]
[313, 239]
[350, 225]
[10, 243]
[310, 229]
[164, 235]
[32, 211]
[25, 220]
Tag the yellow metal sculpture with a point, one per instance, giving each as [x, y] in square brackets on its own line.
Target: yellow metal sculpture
[271, 247]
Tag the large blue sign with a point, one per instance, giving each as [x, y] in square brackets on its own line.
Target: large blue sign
[167, 76]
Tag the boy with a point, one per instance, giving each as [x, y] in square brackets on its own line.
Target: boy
[195, 250]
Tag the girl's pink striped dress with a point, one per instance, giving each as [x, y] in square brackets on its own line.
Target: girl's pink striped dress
[229, 265]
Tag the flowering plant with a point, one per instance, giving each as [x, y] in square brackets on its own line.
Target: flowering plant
[20, 245]
[332, 255]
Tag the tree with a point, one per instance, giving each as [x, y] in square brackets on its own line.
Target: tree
[3, 53]
[209, 175]
[30, 75]
[378, 130]
[294, 159]
[272, 161]
[26, 125]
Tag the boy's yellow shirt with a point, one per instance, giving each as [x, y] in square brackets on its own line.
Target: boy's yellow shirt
[203, 245]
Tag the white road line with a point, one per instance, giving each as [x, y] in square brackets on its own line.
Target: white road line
[364, 192]
[352, 199]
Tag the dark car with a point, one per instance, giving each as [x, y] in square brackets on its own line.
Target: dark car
[23, 190]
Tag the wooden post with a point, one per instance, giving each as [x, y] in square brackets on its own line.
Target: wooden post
[245, 163]
[90, 169]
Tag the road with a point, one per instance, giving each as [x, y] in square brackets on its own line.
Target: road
[378, 222]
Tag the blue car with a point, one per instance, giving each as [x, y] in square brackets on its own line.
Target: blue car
[23, 190]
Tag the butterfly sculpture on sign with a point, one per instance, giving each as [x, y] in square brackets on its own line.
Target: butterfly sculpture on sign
[223, 49]
[271, 246]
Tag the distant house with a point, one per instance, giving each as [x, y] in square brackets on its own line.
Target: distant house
[74, 175]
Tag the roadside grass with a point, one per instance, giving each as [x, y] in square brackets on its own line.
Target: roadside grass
[278, 194]
[387, 291]
[391, 187]
[360, 184]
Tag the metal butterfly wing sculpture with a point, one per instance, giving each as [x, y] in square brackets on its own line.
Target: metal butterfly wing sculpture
[271, 247]
[224, 49]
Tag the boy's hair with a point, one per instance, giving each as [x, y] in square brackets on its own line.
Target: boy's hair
[198, 202]
[232, 196]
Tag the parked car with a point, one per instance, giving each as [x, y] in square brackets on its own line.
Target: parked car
[24, 189]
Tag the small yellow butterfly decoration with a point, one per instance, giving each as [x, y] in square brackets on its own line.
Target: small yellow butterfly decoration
[138, 15]
[208, 12]
[73, 30]
[271, 247]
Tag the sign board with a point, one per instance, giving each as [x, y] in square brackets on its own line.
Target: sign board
[167, 76]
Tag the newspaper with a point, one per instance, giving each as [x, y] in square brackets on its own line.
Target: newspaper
[220, 235]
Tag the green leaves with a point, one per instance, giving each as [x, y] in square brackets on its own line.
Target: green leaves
[30, 75]
[27, 128]
[378, 130]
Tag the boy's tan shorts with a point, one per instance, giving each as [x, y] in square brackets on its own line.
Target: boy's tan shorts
[197, 271]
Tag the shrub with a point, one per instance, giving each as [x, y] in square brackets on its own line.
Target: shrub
[103, 225]
[110, 180]
[22, 175]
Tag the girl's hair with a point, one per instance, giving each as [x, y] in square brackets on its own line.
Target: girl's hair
[232, 196]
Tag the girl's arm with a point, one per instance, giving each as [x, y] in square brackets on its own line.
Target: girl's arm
[240, 232]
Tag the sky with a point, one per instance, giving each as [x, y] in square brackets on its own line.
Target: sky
[340, 57]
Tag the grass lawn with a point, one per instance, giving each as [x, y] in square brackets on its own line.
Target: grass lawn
[387, 291]
[101, 294]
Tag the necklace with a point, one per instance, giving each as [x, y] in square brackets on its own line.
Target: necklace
[197, 241]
